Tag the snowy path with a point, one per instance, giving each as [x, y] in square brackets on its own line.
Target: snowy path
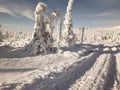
[17, 73]
[96, 77]
[97, 68]
[117, 78]
[62, 80]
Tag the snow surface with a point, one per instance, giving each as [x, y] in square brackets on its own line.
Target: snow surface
[95, 65]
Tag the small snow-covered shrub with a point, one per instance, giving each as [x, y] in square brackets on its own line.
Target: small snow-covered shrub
[108, 37]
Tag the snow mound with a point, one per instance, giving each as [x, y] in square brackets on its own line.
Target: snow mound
[71, 54]
[114, 49]
[106, 49]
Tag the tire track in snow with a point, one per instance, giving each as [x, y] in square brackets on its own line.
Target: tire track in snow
[97, 77]
[116, 85]
[111, 75]
[63, 80]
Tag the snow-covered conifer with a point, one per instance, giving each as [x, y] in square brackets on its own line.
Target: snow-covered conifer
[42, 41]
[1, 35]
[68, 24]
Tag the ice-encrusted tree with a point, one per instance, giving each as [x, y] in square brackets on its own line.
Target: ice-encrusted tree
[42, 41]
[70, 36]
[1, 35]
[40, 36]
[50, 20]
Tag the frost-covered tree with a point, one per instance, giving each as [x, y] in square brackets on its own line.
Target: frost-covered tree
[50, 20]
[40, 36]
[42, 40]
[59, 36]
[69, 25]
[1, 35]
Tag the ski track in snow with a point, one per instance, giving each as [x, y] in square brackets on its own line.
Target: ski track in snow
[96, 77]
[116, 85]
[65, 78]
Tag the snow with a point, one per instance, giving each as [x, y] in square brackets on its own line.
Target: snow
[94, 65]
[52, 59]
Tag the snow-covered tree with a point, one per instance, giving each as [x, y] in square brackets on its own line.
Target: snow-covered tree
[50, 20]
[42, 41]
[1, 35]
[59, 36]
[40, 36]
[70, 36]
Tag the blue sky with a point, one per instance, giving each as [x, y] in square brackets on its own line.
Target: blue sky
[19, 14]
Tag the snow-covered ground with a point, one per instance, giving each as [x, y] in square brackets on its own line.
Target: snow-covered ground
[95, 65]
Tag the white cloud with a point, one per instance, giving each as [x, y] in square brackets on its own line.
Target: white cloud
[17, 9]
[112, 13]
[28, 14]
[5, 10]
[107, 2]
